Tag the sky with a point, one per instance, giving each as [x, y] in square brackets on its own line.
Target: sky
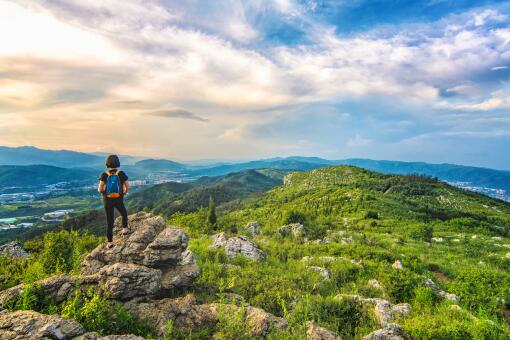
[401, 80]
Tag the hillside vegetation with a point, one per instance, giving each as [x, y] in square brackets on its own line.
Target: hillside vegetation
[375, 235]
[358, 223]
[169, 198]
[36, 175]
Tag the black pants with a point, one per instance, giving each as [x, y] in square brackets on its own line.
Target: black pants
[109, 205]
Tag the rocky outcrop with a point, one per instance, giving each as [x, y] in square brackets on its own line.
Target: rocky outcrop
[22, 325]
[152, 259]
[95, 336]
[392, 331]
[12, 249]
[139, 271]
[32, 325]
[254, 228]
[150, 244]
[315, 332]
[384, 311]
[375, 284]
[296, 229]
[445, 295]
[188, 315]
[322, 271]
[397, 265]
[238, 245]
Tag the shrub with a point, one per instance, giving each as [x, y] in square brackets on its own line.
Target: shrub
[63, 250]
[57, 254]
[400, 284]
[340, 315]
[96, 313]
[232, 325]
[482, 289]
[372, 215]
[293, 216]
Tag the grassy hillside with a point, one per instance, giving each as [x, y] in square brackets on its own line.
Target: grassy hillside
[447, 172]
[168, 198]
[358, 223]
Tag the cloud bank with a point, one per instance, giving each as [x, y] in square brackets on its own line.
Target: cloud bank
[274, 77]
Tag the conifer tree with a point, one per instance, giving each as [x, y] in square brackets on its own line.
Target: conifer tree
[211, 213]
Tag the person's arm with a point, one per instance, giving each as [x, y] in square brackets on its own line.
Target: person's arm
[101, 187]
[126, 187]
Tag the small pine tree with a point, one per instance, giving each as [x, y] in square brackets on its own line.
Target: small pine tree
[211, 213]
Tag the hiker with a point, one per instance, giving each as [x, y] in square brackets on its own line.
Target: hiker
[113, 185]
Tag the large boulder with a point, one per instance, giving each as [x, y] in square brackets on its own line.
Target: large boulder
[242, 245]
[296, 229]
[186, 314]
[392, 331]
[384, 311]
[12, 249]
[254, 228]
[32, 325]
[152, 244]
[95, 336]
[445, 295]
[238, 245]
[315, 332]
[124, 281]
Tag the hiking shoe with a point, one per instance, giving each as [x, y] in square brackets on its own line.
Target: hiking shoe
[124, 231]
[109, 245]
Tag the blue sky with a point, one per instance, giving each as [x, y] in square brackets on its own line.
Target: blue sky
[403, 80]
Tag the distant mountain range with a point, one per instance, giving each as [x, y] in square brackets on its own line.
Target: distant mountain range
[37, 175]
[27, 155]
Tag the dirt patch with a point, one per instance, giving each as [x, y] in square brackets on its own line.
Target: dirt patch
[440, 276]
[506, 314]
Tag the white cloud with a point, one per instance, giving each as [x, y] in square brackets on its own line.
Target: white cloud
[85, 60]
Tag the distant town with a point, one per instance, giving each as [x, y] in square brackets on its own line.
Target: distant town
[10, 196]
[491, 192]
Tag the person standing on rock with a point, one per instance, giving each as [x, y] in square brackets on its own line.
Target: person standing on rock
[113, 185]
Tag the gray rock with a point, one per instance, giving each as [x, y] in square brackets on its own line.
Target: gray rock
[392, 331]
[219, 240]
[376, 284]
[296, 229]
[242, 245]
[124, 281]
[397, 265]
[166, 248]
[21, 325]
[187, 315]
[322, 271]
[12, 249]
[254, 228]
[95, 336]
[384, 311]
[315, 332]
[150, 243]
[445, 295]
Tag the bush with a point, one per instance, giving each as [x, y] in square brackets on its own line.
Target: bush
[63, 251]
[232, 325]
[96, 313]
[340, 315]
[293, 216]
[400, 284]
[482, 289]
[372, 215]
